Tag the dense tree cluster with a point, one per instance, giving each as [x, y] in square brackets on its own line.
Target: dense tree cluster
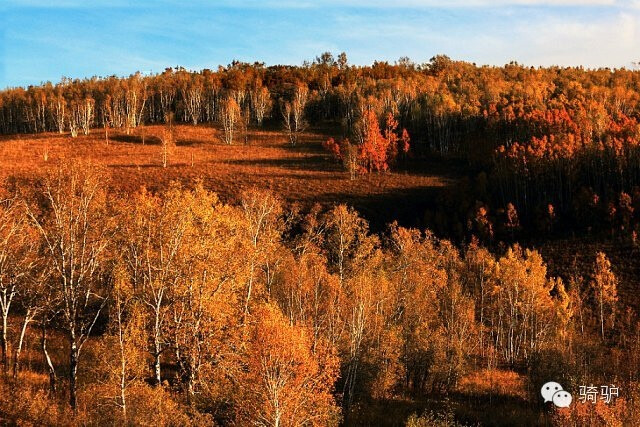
[259, 313]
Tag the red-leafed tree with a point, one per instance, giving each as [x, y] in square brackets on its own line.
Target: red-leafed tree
[377, 149]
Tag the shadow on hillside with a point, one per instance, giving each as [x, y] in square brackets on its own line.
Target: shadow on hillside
[407, 206]
[136, 139]
[466, 409]
[189, 142]
[152, 165]
[310, 163]
[310, 145]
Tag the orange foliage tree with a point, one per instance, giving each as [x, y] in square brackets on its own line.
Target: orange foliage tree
[284, 383]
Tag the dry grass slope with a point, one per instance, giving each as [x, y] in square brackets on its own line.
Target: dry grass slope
[304, 174]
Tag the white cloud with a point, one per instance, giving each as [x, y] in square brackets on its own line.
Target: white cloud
[592, 39]
[610, 41]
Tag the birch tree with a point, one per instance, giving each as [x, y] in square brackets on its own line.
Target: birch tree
[152, 238]
[121, 360]
[293, 113]
[192, 94]
[604, 287]
[229, 115]
[59, 108]
[260, 102]
[17, 259]
[206, 302]
[262, 228]
[284, 383]
[75, 226]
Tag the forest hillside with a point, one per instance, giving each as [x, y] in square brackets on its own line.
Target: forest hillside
[329, 244]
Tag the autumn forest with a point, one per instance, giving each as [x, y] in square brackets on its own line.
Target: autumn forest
[326, 244]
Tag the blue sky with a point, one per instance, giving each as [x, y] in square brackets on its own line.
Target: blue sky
[44, 40]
